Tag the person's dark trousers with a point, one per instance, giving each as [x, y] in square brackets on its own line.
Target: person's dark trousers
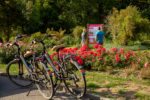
[100, 43]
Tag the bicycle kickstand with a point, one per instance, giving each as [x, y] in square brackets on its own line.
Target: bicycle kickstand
[29, 91]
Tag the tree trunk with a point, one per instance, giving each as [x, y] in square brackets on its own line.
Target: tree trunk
[100, 13]
[7, 31]
[7, 34]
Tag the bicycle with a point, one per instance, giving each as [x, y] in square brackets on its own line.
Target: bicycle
[68, 70]
[32, 74]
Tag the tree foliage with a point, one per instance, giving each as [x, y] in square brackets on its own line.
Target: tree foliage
[127, 25]
[10, 17]
[30, 16]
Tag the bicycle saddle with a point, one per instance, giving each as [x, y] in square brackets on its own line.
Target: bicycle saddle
[28, 53]
[58, 47]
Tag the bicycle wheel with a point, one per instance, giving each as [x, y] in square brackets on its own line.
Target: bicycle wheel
[18, 74]
[75, 81]
[45, 84]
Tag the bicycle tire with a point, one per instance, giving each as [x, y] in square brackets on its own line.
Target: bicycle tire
[48, 78]
[21, 79]
[74, 89]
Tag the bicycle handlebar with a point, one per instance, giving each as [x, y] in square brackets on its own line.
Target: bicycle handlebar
[41, 41]
[16, 39]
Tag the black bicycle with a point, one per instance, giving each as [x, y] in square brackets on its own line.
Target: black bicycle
[69, 71]
[31, 74]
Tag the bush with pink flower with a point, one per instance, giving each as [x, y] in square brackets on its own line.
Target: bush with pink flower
[6, 54]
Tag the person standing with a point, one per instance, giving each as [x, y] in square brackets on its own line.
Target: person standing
[99, 36]
[83, 37]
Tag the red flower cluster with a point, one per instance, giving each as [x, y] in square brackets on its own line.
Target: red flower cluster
[98, 54]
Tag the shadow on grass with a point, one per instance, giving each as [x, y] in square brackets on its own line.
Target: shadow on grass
[123, 95]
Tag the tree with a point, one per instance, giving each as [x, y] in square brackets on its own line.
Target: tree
[127, 25]
[10, 17]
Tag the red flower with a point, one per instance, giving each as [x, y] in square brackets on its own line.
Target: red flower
[56, 66]
[55, 53]
[5, 41]
[146, 64]
[126, 57]
[76, 48]
[1, 44]
[117, 59]
[91, 52]
[103, 49]
[121, 51]
[98, 50]
[80, 61]
[114, 49]
[103, 58]
[117, 55]
[55, 62]
[83, 48]
[64, 50]
[95, 46]
[95, 54]
[134, 54]
[77, 58]
[108, 51]
[128, 53]
[144, 52]
[99, 55]
[85, 56]
[51, 57]
[100, 46]
[92, 60]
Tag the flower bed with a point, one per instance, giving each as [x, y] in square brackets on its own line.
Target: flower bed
[98, 58]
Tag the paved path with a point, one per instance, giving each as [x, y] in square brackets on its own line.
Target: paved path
[9, 91]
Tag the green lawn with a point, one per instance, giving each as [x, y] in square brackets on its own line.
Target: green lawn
[113, 86]
[3, 67]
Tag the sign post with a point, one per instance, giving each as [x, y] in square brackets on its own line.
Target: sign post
[91, 32]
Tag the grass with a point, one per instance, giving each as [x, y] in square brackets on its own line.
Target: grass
[142, 96]
[121, 91]
[92, 85]
[3, 67]
[112, 86]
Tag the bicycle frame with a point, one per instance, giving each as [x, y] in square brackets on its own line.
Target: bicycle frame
[47, 56]
[50, 62]
[21, 57]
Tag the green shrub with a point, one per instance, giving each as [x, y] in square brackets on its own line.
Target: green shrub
[147, 42]
[69, 40]
[127, 25]
[77, 31]
[57, 34]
